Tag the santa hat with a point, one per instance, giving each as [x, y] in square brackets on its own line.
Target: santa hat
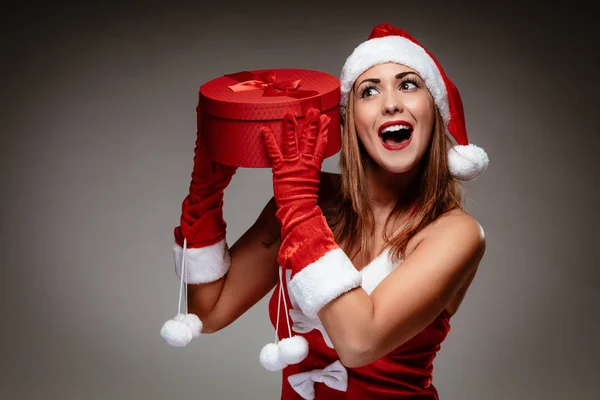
[390, 44]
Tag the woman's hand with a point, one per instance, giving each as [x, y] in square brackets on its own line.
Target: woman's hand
[297, 167]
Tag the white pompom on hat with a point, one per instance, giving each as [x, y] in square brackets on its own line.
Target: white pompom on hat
[387, 43]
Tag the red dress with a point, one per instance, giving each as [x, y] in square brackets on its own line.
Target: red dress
[405, 373]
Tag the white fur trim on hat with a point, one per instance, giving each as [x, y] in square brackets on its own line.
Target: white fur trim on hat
[399, 50]
[203, 264]
[467, 162]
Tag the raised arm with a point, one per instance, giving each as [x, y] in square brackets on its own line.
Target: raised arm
[222, 283]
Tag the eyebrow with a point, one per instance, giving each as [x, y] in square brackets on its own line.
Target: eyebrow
[398, 76]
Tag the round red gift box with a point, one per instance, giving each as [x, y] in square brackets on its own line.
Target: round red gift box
[233, 108]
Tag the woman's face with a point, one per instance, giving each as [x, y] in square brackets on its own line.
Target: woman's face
[394, 116]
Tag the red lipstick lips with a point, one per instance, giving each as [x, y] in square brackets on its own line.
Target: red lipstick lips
[395, 146]
[391, 123]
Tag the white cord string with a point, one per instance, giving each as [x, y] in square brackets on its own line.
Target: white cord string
[185, 269]
[182, 275]
[278, 306]
[284, 303]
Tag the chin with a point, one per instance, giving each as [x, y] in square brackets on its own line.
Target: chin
[397, 168]
[396, 163]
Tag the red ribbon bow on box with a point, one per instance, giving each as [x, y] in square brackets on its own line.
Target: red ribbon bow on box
[267, 81]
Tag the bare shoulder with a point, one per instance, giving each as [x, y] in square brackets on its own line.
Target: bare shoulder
[458, 222]
[454, 227]
[459, 227]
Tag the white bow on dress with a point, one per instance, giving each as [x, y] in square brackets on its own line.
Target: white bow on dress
[334, 375]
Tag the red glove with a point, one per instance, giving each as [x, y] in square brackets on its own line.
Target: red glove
[200, 239]
[202, 224]
[321, 271]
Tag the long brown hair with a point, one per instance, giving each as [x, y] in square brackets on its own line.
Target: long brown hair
[349, 214]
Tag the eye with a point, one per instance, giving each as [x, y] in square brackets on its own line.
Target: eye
[409, 84]
[368, 91]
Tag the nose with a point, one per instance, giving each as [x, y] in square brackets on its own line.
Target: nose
[392, 104]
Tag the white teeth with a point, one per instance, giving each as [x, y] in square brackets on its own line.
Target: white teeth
[395, 128]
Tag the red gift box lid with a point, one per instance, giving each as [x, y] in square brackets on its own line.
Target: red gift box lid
[233, 109]
[269, 94]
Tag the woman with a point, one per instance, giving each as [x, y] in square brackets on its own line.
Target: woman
[374, 261]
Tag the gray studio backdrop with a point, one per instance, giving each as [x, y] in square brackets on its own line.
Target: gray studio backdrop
[98, 129]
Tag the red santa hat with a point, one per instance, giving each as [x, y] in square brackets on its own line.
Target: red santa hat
[390, 44]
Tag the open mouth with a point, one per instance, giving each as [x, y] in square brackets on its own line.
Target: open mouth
[395, 135]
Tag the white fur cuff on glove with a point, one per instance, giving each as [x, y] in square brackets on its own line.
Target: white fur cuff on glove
[203, 264]
[324, 280]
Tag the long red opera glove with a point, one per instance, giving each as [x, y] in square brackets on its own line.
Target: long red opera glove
[321, 271]
[202, 224]
[200, 245]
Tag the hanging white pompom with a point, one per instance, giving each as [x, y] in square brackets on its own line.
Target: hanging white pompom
[176, 333]
[192, 321]
[269, 358]
[467, 163]
[293, 350]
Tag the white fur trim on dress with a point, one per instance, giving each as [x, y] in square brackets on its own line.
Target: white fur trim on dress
[203, 264]
[468, 162]
[322, 281]
[402, 51]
